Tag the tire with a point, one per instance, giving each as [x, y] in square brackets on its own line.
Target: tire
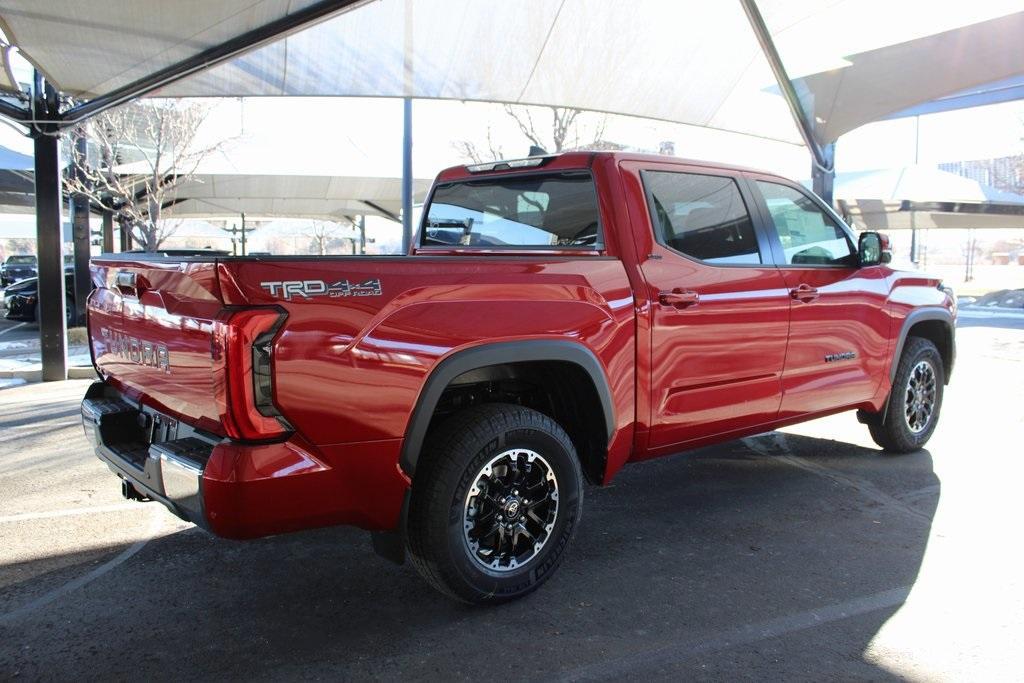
[466, 483]
[902, 427]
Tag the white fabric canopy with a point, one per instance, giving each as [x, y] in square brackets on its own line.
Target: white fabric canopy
[289, 196]
[687, 61]
[89, 48]
[923, 197]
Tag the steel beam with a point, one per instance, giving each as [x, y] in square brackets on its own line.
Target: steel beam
[218, 54]
[406, 174]
[78, 209]
[125, 235]
[49, 245]
[823, 160]
[108, 231]
[823, 178]
[12, 111]
[382, 211]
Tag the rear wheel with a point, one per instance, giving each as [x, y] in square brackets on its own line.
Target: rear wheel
[497, 494]
[912, 411]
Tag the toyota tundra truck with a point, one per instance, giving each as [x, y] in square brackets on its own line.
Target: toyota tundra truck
[555, 318]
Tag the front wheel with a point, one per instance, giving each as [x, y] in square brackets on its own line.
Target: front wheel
[497, 495]
[912, 411]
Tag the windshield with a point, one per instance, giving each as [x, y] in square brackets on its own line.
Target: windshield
[526, 211]
[22, 260]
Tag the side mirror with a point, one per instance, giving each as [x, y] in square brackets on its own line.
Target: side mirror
[873, 249]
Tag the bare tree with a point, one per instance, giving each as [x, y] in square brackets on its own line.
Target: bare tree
[323, 236]
[469, 149]
[565, 128]
[139, 156]
[570, 129]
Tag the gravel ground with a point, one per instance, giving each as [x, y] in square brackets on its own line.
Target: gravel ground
[803, 554]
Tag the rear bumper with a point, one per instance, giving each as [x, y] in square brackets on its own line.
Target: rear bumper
[170, 472]
[239, 490]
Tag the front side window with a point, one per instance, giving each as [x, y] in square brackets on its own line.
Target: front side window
[554, 211]
[701, 216]
[809, 236]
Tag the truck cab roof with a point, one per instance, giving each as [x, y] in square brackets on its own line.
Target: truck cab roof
[577, 160]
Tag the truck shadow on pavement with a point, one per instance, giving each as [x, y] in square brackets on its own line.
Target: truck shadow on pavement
[779, 555]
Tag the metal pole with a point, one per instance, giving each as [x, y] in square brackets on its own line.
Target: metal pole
[913, 214]
[243, 234]
[124, 234]
[78, 207]
[292, 22]
[407, 175]
[49, 241]
[804, 121]
[362, 234]
[823, 178]
[108, 231]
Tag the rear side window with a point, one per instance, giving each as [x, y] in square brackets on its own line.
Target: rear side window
[553, 211]
[701, 216]
[809, 236]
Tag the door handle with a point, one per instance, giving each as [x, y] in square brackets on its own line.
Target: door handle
[679, 298]
[804, 293]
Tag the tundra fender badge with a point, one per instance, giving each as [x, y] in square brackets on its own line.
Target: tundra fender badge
[841, 355]
[307, 289]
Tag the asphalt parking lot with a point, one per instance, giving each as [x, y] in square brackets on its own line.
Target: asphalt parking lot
[801, 554]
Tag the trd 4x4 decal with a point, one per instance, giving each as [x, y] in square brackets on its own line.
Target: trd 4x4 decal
[288, 289]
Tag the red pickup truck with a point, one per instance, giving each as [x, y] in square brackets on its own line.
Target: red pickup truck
[557, 317]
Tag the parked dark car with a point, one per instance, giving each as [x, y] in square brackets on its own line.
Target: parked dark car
[18, 267]
[20, 301]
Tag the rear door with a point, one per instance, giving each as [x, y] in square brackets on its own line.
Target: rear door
[839, 324]
[720, 309]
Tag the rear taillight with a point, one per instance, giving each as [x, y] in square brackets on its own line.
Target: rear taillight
[246, 339]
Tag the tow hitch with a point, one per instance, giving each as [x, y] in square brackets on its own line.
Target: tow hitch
[129, 492]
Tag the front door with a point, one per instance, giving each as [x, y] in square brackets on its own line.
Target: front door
[720, 309]
[839, 326]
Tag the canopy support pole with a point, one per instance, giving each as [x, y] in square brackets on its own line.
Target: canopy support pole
[80, 231]
[823, 158]
[49, 238]
[108, 231]
[823, 179]
[406, 175]
[124, 234]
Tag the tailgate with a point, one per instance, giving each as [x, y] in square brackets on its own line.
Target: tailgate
[152, 326]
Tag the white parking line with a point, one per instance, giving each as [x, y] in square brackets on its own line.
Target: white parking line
[46, 598]
[68, 512]
[12, 327]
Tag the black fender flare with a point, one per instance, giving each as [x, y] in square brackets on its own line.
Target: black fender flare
[921, 315]
[498, 353]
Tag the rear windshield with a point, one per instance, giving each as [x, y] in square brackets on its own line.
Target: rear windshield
[537, 210]
[21, 260]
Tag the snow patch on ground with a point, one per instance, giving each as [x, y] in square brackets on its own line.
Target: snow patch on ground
[10, 382]
[19, 345]
[33, 363]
